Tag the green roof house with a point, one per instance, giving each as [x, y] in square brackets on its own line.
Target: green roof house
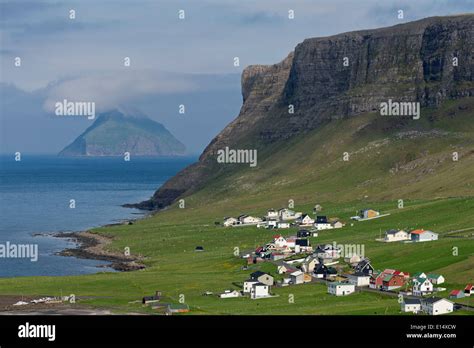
[436, 278]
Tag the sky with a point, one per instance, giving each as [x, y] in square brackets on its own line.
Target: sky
[173, 61]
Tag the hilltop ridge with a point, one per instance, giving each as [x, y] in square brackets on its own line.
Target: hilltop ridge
[407, 62]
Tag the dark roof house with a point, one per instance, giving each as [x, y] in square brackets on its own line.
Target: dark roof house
[303, 233]
[324, 270]
[364, 266]
[256, 274]
[302, 242]
[321, 219]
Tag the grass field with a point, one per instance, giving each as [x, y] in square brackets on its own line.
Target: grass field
[174, 268]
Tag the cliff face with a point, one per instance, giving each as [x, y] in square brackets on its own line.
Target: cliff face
[114, 133]
[407, 62]
[410, 62]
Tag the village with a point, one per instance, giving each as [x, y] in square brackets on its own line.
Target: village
[291, 260]
[343, 269]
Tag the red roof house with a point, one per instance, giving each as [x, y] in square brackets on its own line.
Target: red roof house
[405, 275]
[456, 294]
[393, 281]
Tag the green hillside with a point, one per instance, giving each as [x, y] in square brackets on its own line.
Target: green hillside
[437, 193]
[388, 158]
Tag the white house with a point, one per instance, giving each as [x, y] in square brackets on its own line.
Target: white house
[297, 277]
[306, 220]
[282, 269]
[272, 214]
[436, 278]
[352, 259]
[230, 221]
[323, 226]
[250, 220]
[359, 279]
[411, 305]
[271, 223]
[436, 306]
[309, 264]
[282, 224]
[279, 241]
[423, 236]
[337, 224]
[248, 285]
[396, 235]
[422, 286]
[287, 214]
[291, 242]
[341, 289]
[419, 275]
[229, 294]
[259, 290]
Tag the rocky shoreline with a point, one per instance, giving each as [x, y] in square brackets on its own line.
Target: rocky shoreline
[93, 246]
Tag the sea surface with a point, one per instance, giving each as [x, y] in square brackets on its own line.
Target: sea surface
[35, 200]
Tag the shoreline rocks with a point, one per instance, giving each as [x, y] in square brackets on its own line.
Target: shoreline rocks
[93, 246]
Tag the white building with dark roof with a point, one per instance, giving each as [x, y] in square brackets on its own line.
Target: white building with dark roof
[259, 290]
[411, 305]
[340, 289]
[436, 306]
[359, 279]
[396, 236]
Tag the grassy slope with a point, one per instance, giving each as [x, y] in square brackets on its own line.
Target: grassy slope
[311, 167]
[308, 170]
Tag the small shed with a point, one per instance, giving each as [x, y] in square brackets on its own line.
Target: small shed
[297, 277]
[456, 294]
[152, 299]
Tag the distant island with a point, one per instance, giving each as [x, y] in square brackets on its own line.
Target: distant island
[116, 132]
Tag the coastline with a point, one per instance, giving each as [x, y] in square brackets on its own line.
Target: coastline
[93, 246]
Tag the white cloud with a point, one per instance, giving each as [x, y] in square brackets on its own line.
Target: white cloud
[214, 32]
[112, 89]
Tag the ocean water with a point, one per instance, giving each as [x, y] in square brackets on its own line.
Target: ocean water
[35, 196]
